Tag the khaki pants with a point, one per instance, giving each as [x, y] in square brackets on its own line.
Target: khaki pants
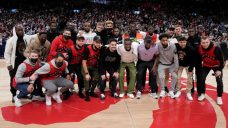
[132, 73]
[189, 79]
[95, 77]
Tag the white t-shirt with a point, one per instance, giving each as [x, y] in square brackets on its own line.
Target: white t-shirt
[88, 36]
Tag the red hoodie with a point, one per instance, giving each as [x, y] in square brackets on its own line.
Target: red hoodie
[59, 45]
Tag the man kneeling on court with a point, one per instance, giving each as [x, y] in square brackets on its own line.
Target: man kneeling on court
[51, 77]
[22, 81]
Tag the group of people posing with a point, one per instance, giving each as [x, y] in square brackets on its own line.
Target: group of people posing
[48, 70]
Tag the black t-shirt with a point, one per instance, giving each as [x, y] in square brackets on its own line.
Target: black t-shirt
[105, 36]
[20, 48]
[194, 41]
[109, 61]
[51, 36]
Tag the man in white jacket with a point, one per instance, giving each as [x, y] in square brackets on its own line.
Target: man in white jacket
[14, 52]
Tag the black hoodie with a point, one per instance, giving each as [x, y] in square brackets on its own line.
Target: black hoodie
[185, 56]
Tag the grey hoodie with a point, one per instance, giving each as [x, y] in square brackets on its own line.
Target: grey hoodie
[168, 55]
[21, 70]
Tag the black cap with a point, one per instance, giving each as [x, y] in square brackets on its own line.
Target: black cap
[182, 38]
[97, 39]
[171, 27]
[80, 37]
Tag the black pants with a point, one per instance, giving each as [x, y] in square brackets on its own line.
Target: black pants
[76, 69]
[112, 82]
[142, 66]
[202, 78]
[12, 74]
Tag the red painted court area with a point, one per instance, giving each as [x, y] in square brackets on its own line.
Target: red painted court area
[172, 113]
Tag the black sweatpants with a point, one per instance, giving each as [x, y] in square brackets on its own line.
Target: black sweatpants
[201, 79]
[112, 82]
[142, 66]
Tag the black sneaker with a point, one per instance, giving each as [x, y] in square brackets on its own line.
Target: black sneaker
[66, 95]
[192, 90]
[87, 98]
[93, 94]
[166, 90]
[13, 101]
[81, 95]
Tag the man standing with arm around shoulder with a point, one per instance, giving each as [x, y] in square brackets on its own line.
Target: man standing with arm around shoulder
[167, 60]
[129, 57]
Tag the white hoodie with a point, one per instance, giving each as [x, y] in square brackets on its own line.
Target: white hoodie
[10, 49]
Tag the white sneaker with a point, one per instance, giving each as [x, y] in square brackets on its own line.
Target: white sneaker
[162, 94]
[17, 101]
[201, 97]
[138, 95]
[177, 94]
[102, 96]
[38, 98]
[171, 94]
[130, 95]
[56, 97]
[219, 101]
[121, 95]
[48, 100]
[189, 96]
[154, 95]
[73, 90]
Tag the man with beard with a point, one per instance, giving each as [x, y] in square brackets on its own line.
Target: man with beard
[14, 52]
[22, 81]
[109, 62]
[90, 67]
[166, 60]
[134, 34]
[42, 46]
[53, 33]
[75, 66]
[147, 52]
[61, 44]
[117, 35]
[71, 26]
[150, 32]
[194, 41]
[171, 34]
[129, 57]
[87, 33]
[51, 78]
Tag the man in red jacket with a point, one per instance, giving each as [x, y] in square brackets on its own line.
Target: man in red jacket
[61, 44]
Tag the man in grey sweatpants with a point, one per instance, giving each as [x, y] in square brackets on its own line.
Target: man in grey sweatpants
[51, 76]
[167, 60]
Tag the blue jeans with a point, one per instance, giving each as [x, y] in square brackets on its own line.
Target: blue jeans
[22, 87]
